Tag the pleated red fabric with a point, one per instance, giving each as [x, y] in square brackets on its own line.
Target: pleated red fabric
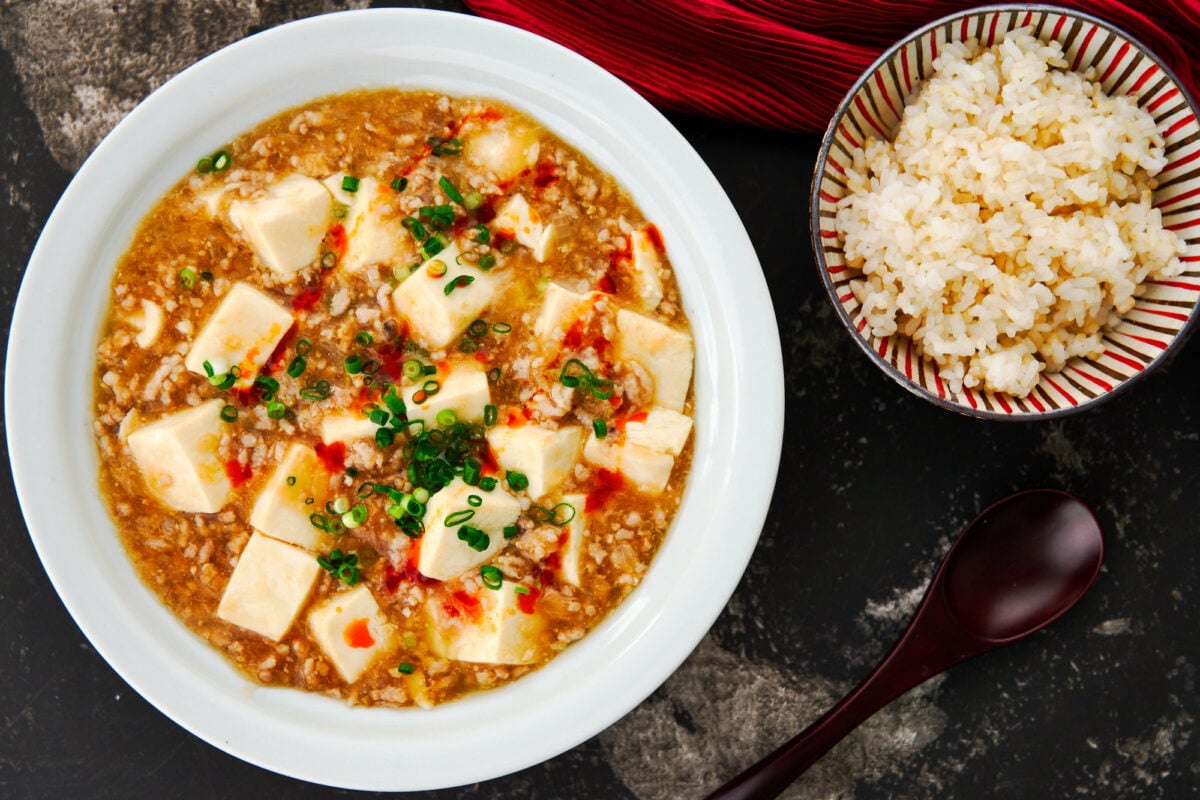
[786, 65]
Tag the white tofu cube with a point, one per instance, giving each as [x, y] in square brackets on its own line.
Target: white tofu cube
[435, 318]
[646, 270]
[521, 221]
[351, 630]
[177, 455]
[347, 426]
[371, 237]
[560, 309]
[493, 631]
[280, 510]
[464, 390]
[663, 431]
[507, 148]
[545, 456]
[647, 470]
[242, 332]
[570, 555]
[269, 586]
[286, 227]
[443, 554]
[664, 352]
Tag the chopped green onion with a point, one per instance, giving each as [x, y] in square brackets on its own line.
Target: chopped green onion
[468, 346]
[350, 184]
[488, 483]
[600, 427]
[477, 328]
[517, 480]
[413, 369]
[384, 437]
[269, 386]
[415, 227]
[475, 538]
[399, 184]
[405, 668]
[521, 590]
[493, 375]
[340, 210]
[551, 516]
[353, 364]
[428, 369]
[491, 576]
[355, 517]
[221, 161]
[315, 391]
[450, 190]
[297, 366]
[291, 480]
[412, 506]
[303, 347]
[459, 517]
[421, 494]
[482, 234]
[367, 489]
[442, 146]
[206, 276]
[318, 521]
[329, 260]
[446, 418]
[489, 414]
[364, 338]
[487, 262]
[379, 416]
[474, 500]
[430, 387]
[204, 165]
[339, 505]
[432, 246]
[229, 413]
[502, 327]
[471, 471]
[511, 531]
[460, 281]
[187, 277]
[472, 201]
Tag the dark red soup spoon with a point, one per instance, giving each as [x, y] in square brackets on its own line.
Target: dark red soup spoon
[1018, 567]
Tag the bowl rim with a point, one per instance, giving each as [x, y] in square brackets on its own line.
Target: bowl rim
[1173, 347]
[596, 680]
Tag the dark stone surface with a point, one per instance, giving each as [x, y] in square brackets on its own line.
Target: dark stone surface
[874, 483]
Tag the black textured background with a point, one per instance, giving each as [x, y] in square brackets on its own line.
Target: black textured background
[873, 485]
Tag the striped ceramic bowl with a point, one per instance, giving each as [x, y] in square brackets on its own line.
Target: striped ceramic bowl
[1163, 315]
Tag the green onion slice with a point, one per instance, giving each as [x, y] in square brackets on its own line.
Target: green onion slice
[491, 576]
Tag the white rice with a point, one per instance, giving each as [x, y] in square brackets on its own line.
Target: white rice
[1010, 222]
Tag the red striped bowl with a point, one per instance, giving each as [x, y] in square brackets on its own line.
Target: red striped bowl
[1162, 317]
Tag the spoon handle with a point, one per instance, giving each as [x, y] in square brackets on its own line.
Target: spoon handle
[921, 653]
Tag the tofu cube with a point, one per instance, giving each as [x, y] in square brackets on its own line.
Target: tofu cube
[286, 227]
[545, 456]
[436, 318]
[663, 431]
[493, 631]
[269, 586]
[443, 554]
[464, 390]
[347, 426]
[570, 555]
[506, 148]
[521, 221]
[242, 332]
[560, 309]
[664, 352]
[351, 630]
[371, 237]
[646, 270]
[280, 510]
[647, 470]
[177, 455]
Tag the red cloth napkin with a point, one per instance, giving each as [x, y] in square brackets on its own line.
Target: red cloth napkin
[787, 65]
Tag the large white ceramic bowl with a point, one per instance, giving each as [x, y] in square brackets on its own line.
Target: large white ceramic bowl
[738, 380]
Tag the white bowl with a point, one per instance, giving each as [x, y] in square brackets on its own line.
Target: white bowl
[738, 380]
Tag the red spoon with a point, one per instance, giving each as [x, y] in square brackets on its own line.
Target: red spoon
[1018, 567]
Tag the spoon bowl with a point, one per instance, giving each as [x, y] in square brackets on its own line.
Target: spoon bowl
[1020, 565]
